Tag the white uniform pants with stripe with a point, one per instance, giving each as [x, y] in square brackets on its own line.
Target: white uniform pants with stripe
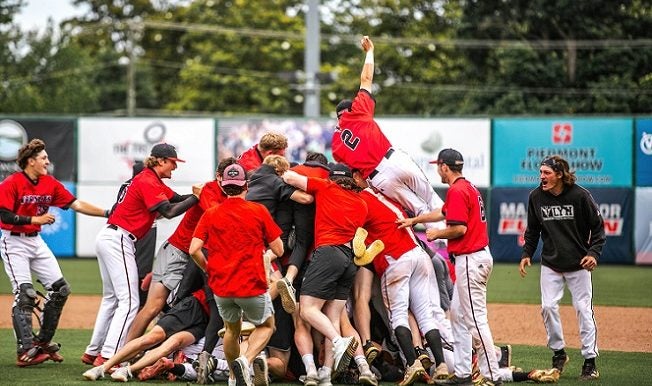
[116, 257]
[581, 290]
[469, 315]
[410, 283]
[23, 256]
[402, 180]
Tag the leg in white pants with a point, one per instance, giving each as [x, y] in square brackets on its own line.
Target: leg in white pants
[552, 290]
[469, 316]
[117, 261]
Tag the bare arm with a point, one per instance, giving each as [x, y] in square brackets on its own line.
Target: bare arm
[367, 76]
[197, 254]
[434, 216]
[450, 232]
[302, 197]
[88, 209]
[276, 246]
[295, 179]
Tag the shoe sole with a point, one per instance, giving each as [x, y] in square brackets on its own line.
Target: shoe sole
[367, 381]
[239, 373]
[413, 378]
[346, 358]
[371, 354]
[260, 372]
[201, 370]
[288, 302]
[37, 360]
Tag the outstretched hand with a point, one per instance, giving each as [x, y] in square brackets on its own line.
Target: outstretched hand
[367, 44]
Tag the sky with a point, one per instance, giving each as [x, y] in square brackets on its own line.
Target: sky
[35, 14]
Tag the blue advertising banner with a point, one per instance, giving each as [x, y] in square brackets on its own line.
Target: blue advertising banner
[643, 146]
[599, 150]
[60, 236]
[509, 220]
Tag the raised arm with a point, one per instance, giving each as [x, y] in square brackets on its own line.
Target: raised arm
[367, 76]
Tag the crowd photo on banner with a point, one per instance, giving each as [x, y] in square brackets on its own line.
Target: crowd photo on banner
[316, 252]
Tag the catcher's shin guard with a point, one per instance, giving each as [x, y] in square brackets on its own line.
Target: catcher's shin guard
[21, 315]
[56, 299]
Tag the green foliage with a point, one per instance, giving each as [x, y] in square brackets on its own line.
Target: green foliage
[450, 57]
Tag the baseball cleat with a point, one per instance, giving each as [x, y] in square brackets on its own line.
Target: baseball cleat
[288, 295]
[343, 351]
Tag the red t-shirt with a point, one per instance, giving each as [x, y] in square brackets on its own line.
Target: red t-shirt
[18, 194]
[464, 206]
[311, 171]
[358, 141]
[251, 159]
[210, 196]
[235, 234]
[338, 214]
[381, 225]
[136, 207]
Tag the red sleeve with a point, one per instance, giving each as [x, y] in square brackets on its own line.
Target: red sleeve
[456, 207]
[8, 194]
[62, 198]
[155, 194]
[363, 105]
[315, 184]
[270, 228]
[201, 230]
[209, 196]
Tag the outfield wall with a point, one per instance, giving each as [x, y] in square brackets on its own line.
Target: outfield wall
[612, 157]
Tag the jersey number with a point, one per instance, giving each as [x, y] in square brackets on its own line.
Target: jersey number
[349, 140]
[483, 214]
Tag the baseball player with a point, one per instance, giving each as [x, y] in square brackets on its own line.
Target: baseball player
[145, 198]
[359, 143]
[408, 282]
[567, 219]
[25, 198]
[270, 143]
[468, 245]
[235, 234]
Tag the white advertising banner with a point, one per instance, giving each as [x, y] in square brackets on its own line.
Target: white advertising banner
[424, 138]
[643, 226]
[108, 147]
[104, 196]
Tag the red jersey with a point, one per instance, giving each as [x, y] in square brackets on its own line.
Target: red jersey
[135, 211]
[18, 194]
[235, 234]
[358, 141]
[381, 225]
[464, 206]
[251, 159]
[210, 196]
[339, 212]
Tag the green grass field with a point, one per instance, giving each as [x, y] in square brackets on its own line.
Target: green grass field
[613, 285]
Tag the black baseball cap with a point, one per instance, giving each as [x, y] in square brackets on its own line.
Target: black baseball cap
[449, 157]
[234, 174]
[165, 150]
[340, 170]
[343, 105]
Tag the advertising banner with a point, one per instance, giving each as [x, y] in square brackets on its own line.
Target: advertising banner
[424, 138]
[509, 220]
[60, 235]
[643, 152]
[643, 233]
[599, 150]
[108, 147]
[235, 136]
[59, 138]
